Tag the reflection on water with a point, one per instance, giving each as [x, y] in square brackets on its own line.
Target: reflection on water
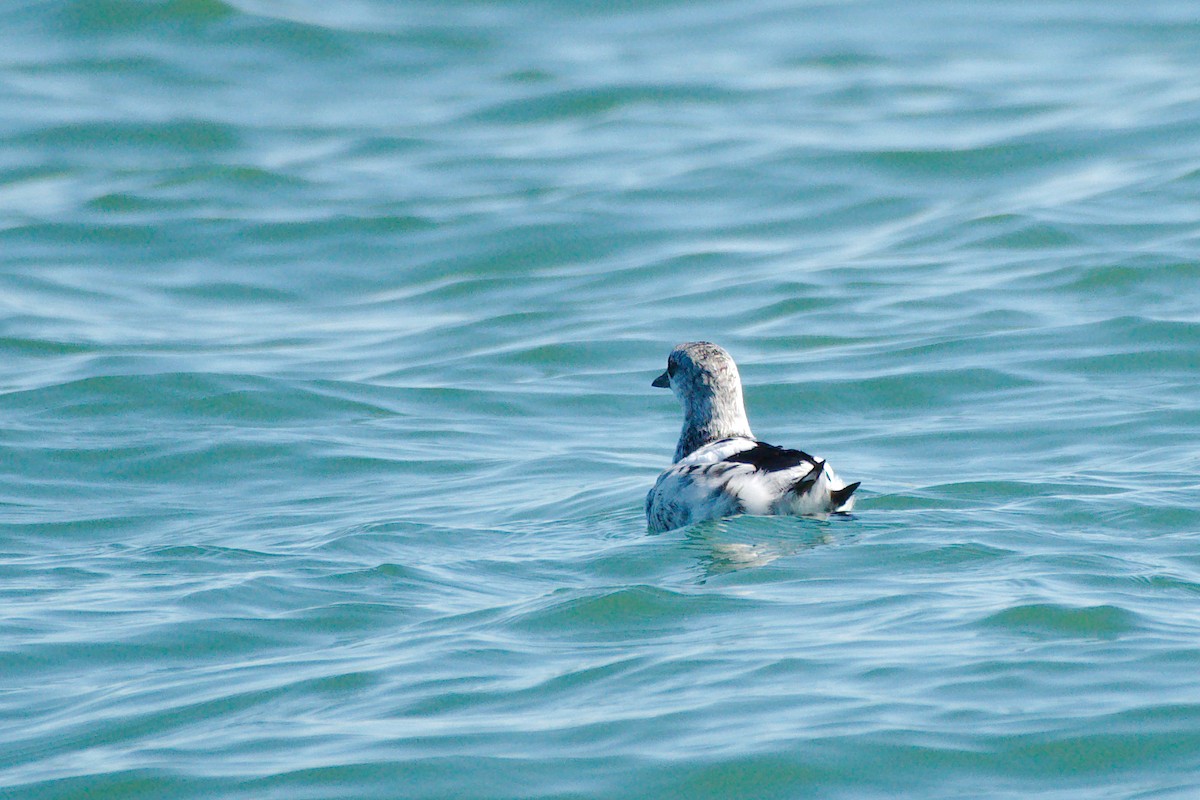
[735, 543]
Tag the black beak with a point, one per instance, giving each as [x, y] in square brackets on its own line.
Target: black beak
[662, 381]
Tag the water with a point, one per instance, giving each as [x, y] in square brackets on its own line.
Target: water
[325, 417]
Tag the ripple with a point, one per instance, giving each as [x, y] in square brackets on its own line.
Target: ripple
[184, 135]
[126, 16]
[193, 395]
[583, 103]
[1054, 620]
[647, 609]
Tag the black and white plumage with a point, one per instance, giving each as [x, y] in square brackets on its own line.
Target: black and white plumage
[720, 469]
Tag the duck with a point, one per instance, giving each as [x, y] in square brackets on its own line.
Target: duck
[720, 468]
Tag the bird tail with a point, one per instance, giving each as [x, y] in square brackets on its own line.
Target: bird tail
[841, 500]
[815, 493]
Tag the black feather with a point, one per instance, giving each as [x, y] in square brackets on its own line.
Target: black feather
[770, 458]
[840, 496]
[810, 480]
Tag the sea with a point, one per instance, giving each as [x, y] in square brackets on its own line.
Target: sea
[326, 340]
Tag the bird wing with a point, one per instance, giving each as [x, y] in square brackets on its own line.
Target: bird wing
[737, 476]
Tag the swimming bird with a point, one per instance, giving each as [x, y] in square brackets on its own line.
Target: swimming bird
[720, 469]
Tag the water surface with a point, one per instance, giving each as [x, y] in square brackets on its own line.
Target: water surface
[325, 418]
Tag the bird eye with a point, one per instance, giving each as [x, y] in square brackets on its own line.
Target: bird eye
[670, 369]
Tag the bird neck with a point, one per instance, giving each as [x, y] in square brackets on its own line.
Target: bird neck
[710, 418]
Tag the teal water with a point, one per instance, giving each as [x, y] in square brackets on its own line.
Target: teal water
[326, 335]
